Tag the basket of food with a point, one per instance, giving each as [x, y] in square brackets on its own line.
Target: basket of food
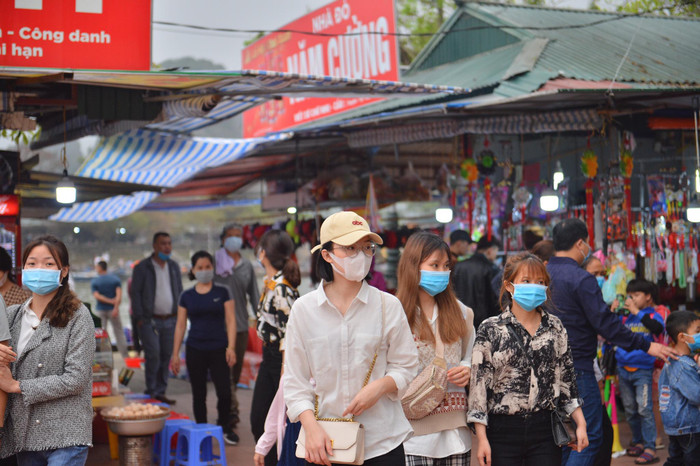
[136, 418]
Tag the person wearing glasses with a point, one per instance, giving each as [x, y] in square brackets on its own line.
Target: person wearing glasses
[282, 277]
[332, 336]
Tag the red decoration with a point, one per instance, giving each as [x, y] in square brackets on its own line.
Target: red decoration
[487, 195]
[589, 211]
[628, 210]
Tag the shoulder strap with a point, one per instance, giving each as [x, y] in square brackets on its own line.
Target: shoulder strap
[376, 351]
[367, 377]
[439, 345]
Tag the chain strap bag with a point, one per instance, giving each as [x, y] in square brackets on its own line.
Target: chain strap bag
[563, 426]
[347, 435]
[426, 392]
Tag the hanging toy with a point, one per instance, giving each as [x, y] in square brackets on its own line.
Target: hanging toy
[626, 167]
[486, 160]
[589, 167]
[469, 171]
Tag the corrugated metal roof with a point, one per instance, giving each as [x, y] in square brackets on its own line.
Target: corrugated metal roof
[661, 49]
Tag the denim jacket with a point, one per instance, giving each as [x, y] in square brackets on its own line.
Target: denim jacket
[679, 396]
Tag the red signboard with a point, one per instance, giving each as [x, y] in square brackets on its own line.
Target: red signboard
[351, 38]
[9, 205]
[87, 34]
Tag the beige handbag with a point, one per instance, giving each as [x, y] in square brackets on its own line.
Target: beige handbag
[347, 436]
[427, 390]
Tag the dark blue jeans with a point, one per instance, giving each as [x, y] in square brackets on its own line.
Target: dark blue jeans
[69, 456]
[590, 394]
[683, 450]
[157, 336]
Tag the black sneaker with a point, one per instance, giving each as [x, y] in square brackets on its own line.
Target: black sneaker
[231, 438]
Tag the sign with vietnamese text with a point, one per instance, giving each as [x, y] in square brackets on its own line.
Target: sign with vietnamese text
[350, 38]
[82, 34]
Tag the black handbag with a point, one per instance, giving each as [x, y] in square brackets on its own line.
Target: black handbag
[563, 427]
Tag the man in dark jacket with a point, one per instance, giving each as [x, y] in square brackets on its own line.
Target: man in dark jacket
[156, 286]
[578, 302]
[472, 281]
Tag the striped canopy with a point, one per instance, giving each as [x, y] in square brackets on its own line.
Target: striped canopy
[154, 159]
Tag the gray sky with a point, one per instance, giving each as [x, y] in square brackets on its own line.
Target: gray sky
[225, 48]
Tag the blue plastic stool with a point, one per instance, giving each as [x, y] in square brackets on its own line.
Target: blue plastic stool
[163, 448]
[194, 445]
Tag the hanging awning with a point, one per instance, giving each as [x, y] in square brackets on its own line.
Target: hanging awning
[452, 124]
[155, 159]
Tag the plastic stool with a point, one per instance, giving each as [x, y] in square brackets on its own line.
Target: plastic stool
[166, 440]
[194, 445]
[113, 445]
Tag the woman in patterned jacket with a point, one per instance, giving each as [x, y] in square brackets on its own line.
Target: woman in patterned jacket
[282, 277]
[521, 370]
[441, 437]
[50, 386]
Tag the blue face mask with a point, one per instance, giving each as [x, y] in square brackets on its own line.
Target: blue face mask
[590, 251]
[233, 243]
[695, 346]
[41, 281]
[163, 256]
[434, 282]
[529, 295]
[601, 281]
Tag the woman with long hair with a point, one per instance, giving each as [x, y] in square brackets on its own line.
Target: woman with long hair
[521, 371]
[441, 437]
[211, 342]
[274, 251]
[333, 336]
[11, 292]
[50, 406]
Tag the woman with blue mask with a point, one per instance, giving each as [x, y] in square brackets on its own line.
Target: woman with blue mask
[50, 386]
[432, 309]
[211, 341]
[522, 370]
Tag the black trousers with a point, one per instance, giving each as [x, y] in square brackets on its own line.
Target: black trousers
[241, 345]
[266, 385]
[395, 457]
[523, 440]
[199, 363]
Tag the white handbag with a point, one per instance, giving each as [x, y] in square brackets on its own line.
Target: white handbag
[347, 436]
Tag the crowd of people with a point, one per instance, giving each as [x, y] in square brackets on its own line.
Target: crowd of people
[348, 369]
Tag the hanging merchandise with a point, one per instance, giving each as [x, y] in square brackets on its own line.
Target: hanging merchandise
[486, 160]
[589, 167]
[470, 173]
[626, 168]
[657, 195]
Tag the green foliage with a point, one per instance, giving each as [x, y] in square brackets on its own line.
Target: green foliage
[420, 17]
[21, 137]
[665, 7]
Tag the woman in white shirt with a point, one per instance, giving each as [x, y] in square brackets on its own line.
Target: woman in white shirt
[441, 437]
[332, 336]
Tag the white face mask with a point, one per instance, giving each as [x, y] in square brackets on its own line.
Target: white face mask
[356, 268]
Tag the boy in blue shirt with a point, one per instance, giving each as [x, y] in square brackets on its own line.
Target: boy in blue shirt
[679, 390]
[635, 369]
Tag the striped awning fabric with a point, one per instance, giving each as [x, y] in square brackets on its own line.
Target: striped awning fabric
[529, 123]
[154, 159]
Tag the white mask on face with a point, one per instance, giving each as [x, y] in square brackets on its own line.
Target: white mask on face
[356, 268]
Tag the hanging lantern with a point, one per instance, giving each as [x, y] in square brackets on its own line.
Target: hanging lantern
[589, 167]
[626, 167]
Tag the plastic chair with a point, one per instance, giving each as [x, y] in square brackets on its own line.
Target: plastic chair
[164, 445]
[194, 445]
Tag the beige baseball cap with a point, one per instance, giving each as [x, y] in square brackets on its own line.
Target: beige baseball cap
[345, 228]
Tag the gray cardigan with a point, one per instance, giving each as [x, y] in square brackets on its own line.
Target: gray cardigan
[54, 371]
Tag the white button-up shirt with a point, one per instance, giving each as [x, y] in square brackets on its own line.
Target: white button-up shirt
[336, 350]
[30, 322]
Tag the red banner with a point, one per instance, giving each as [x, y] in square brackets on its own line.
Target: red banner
[87, 34]
[9, 205]
[367, 51]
